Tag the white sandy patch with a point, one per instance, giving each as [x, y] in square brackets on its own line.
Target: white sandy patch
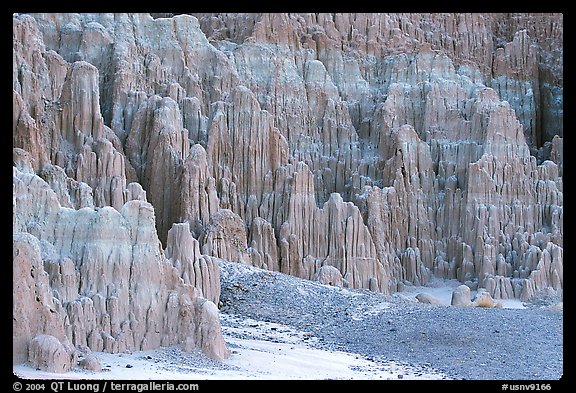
[287, 361]
[281, 352]
[259, 350]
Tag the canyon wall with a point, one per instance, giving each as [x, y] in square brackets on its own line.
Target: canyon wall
[391, 147]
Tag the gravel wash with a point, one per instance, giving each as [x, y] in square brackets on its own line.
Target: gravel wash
[464, 343]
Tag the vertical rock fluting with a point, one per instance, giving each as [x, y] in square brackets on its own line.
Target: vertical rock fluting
[244, 150]
[333, 235]
[58, 119]
[157, 146]
[103, 278]
[542, 33]
[391, 147]
[197, 270]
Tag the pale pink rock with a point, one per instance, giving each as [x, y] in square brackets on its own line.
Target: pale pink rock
[391, 147]
[106, 283]
[225, 237]
[47, 353]
[200, 271]
[329, 275]
[35, 311]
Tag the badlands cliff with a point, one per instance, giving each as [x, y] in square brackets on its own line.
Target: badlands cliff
[362, 150]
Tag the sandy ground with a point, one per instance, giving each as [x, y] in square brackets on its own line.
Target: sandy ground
[259, 350]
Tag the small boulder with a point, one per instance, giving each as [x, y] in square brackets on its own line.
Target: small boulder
[91, 363]
[483, 299]
[49, 354]
[329, 275]
[461, 296]
[428, 299]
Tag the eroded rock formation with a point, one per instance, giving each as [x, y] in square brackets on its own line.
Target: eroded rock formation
[102, 278]
[390, 147]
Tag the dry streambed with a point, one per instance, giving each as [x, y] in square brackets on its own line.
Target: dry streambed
[515, 341]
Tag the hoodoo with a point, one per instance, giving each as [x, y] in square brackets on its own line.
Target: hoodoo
[366, 151]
